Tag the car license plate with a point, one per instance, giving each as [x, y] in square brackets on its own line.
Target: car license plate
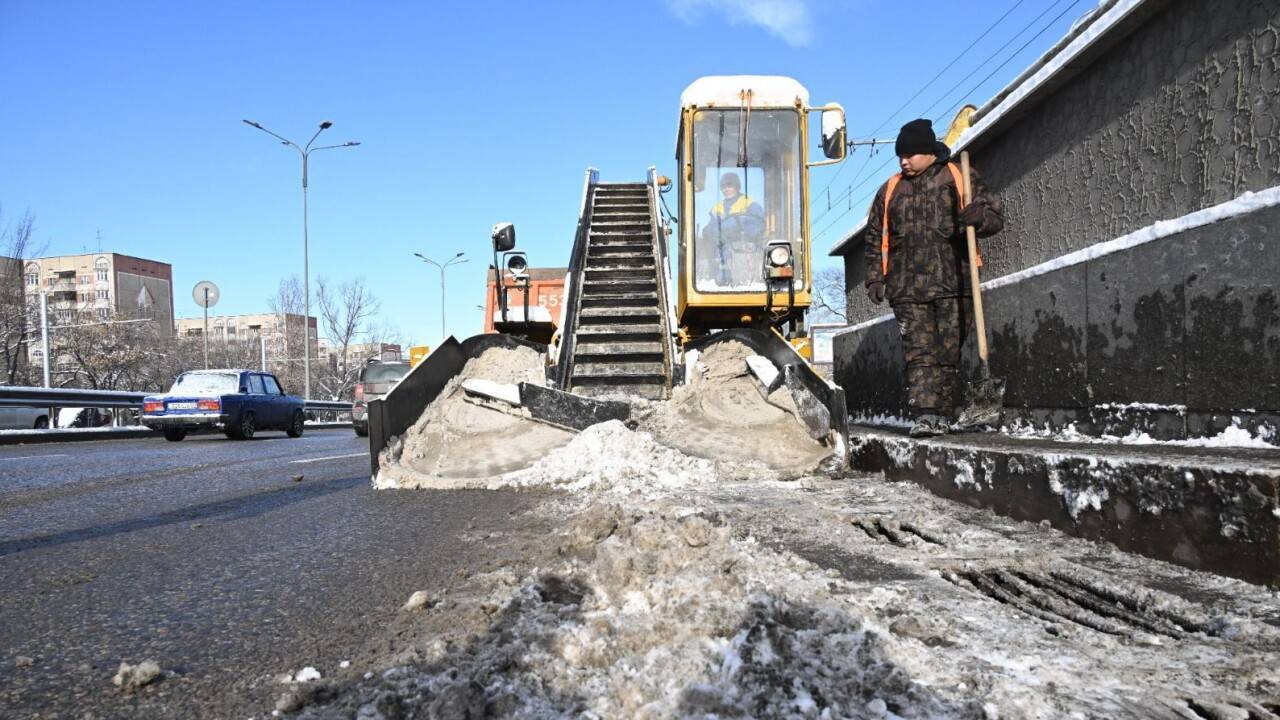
[182, 406]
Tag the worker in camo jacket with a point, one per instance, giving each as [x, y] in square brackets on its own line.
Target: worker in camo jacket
[916, 259]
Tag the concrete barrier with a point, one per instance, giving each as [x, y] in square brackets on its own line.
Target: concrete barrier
[1211, 509]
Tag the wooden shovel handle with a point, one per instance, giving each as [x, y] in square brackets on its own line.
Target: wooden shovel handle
[971, 236]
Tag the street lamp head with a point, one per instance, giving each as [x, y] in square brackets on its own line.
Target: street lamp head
[458, 255]
[326, 124]
[252, 123]
[420, 255]
[351, 143]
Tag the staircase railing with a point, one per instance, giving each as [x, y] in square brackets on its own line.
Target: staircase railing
[569, 306]
[663, 272]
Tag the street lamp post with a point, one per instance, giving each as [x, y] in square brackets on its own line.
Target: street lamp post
[305, 152]
[456, 259]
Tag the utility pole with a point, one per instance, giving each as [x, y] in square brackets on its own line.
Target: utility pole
[305, 152]
[44, 334]
[444, 333]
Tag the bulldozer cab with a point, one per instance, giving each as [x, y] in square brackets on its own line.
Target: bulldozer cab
[744, 255]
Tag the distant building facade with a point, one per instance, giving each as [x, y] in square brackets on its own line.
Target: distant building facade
[281, 332]
[105, 286]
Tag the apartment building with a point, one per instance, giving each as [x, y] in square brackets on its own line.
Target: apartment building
[102, 285]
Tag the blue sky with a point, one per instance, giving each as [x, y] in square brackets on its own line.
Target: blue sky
[123, 119]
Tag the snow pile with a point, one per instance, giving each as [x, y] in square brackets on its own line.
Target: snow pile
[1234, 436]
[663, 613]
[457, 443]
[613, 458]
[722, 413]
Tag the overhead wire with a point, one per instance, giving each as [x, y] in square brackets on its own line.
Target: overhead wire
[924, 87]
[956, 86]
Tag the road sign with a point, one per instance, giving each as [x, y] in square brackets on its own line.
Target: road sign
[205, 294]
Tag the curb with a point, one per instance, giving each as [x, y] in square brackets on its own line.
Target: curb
[1214, 510]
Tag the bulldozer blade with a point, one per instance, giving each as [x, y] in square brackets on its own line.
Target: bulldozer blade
[984, 404]
[545, 405]
[569, 411]
[811, 411]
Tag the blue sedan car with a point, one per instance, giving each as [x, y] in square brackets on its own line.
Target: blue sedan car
[237, 402]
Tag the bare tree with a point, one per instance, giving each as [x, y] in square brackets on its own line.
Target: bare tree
[828, 296]
[284, 354]
[16, 313]
[346, 313]
[105, 355]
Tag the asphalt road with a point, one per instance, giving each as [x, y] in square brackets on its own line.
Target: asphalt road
[211, 558]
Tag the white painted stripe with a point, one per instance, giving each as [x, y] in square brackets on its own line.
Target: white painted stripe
[331, 457]
[1243, 205]
[31, 457]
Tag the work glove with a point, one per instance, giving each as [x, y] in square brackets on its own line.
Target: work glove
[875, 291]
[973, 214]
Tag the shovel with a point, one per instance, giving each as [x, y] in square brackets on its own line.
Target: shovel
[984, 398]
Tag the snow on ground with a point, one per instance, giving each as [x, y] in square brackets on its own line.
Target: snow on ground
[682, 587]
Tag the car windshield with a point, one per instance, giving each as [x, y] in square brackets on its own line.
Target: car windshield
[207, 383]
[385, 372]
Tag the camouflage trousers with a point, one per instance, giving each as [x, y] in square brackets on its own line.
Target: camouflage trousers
[932, 334]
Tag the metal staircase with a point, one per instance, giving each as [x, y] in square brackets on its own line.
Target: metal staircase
[621, 342]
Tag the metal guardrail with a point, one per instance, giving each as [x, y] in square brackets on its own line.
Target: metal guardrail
[11, 396]
[69, 397]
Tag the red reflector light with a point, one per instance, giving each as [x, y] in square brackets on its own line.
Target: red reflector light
[209, 405]
[359, 393]
[152, 406]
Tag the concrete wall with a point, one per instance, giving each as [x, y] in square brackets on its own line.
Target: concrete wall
[1180, 113]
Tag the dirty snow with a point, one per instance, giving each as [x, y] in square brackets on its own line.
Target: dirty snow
[710, 595]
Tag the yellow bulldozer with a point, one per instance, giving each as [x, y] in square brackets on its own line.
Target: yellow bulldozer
[743, 271]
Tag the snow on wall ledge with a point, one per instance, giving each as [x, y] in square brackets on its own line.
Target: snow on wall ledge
[1246, 203]
[1172, 331]
[1200, 511]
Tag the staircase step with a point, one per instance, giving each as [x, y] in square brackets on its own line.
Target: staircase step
[614, 249]
[617, 316]
[620, 205]
[621, 332]
[649, 299]
[649, 391]
[619, 286]
[617, 273]
[613, 372]
[618, 347]
[606, 264]
[627, 259]
[635, 228]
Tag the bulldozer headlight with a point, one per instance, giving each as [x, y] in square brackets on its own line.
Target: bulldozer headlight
[780, 255]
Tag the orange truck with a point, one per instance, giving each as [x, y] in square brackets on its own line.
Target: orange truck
[546, 294]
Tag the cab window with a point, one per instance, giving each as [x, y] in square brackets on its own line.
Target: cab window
[746, 170]
[255, 385]
[272, 387]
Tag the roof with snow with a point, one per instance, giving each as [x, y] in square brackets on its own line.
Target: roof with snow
[725, 91]
[1097, 31]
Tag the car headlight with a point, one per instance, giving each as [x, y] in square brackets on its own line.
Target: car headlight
[780, 255]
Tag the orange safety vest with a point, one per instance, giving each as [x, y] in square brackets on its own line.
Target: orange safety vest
[884, 222]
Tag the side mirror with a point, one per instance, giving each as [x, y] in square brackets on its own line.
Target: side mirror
[834, 134]
[244, 390]
[504, 237]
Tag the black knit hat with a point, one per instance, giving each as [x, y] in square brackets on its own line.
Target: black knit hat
[916, 138]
